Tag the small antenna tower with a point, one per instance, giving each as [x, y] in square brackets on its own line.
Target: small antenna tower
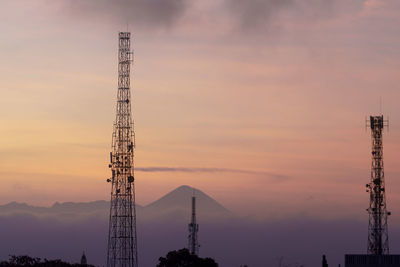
[122, 244]
[378, 240]
[193, 229]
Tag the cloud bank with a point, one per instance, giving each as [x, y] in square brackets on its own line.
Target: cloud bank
[259, 15]
[142, 13]
[247, 16]
[255, 13]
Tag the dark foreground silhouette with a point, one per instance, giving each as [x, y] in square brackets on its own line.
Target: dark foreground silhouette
[183, 258]
[37, 262]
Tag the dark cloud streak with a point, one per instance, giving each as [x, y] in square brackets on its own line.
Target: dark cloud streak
[209, 170]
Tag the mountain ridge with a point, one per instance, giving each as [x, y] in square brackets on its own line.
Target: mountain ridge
[176, 205]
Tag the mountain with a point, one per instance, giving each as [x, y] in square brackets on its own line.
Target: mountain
[175, 205]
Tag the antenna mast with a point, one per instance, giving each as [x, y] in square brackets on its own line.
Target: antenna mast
[122, 244]
[378, 243]
[193, 229]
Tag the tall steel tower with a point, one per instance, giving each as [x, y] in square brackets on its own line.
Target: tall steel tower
[378, 243]
[193, 229]
[122, 246]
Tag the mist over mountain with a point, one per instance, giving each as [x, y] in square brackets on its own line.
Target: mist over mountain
[65, 230]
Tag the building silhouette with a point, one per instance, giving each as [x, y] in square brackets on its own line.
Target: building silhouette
[324, 261]
[83, 259]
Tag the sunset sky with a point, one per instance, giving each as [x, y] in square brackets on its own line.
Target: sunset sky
[260, 104]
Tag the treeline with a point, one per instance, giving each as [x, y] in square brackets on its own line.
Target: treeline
[15, 261]
[176, 258]
[183, 258]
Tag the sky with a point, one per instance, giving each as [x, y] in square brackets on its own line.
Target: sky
[260, 104]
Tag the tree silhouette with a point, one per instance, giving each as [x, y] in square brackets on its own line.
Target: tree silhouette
[26, 261]
[182, 258]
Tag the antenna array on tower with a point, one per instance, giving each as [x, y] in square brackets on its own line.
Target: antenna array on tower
[378, 240]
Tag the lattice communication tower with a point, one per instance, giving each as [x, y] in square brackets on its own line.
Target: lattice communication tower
[378, 240]
[193, 229]
[122, 243]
